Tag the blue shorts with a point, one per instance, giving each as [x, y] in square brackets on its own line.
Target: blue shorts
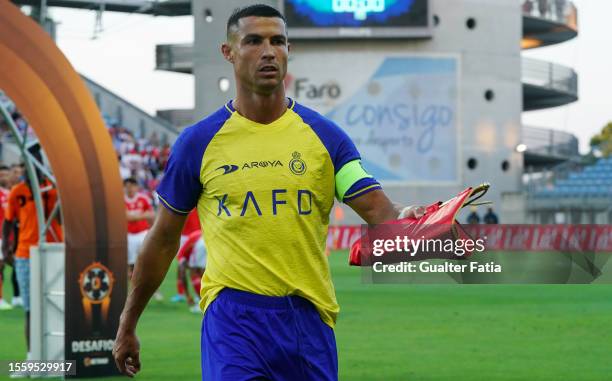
[252, 337]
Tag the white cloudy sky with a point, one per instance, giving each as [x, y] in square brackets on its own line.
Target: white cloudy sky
[122, 58]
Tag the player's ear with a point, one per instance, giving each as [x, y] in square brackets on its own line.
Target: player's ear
[226, 50]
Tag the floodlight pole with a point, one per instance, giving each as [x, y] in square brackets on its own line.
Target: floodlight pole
[43, 12]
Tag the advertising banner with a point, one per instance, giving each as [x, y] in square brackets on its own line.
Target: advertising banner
[400, 111]
[479, 254]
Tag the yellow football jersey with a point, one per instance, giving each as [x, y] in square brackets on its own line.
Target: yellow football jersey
[263, 195]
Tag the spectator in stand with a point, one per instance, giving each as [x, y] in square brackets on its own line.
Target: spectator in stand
[543, 7]
[154, 139]
[20, 122]
[490, 218]
[560, 9]
[124, 171]
[141, 159]
[473, 218]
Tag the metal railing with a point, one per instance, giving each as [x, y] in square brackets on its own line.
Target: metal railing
[535, 182]
[175, 57]
[559, 11]
[549, 75]
[548, 141]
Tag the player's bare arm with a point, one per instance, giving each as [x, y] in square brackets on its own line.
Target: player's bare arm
[159, 248]
[375, 208]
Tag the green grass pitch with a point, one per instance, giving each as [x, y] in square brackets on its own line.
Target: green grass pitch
[411, 332]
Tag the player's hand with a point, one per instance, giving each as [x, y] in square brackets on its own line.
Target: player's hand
[126, 352]
[412, 211]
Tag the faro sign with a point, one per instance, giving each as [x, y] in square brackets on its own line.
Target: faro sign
[304, 88]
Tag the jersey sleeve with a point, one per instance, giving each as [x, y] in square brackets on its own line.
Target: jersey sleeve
[181, 186]
[351, 179]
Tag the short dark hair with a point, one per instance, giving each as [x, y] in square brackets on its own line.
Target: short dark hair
[259, 10]
[130, 180]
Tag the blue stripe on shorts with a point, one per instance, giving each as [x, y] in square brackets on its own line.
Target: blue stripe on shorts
[22, 269]
[252, 337]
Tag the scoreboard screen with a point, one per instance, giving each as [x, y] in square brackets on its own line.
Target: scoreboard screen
[314, 19]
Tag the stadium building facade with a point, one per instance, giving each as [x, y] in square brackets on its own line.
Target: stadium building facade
[432, 112]
[433, 99]
[560, 186]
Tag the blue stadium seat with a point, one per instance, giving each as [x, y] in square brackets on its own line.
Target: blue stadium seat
[593, 181]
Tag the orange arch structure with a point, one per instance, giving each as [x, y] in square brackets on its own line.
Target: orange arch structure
[55, 101]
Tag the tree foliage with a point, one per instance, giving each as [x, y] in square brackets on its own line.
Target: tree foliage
[602, 142]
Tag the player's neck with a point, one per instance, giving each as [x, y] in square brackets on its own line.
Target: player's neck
[259, 108]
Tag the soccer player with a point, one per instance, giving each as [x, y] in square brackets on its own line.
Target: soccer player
[192, 258]
[191, 225]
[139, 212]
[262, 172]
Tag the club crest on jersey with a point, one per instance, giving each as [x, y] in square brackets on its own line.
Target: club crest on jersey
[297, 165]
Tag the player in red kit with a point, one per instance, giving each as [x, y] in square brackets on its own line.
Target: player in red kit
[140, 212]
[192, 258]
[191, 225]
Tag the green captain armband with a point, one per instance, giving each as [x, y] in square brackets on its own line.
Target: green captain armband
[348, 175]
